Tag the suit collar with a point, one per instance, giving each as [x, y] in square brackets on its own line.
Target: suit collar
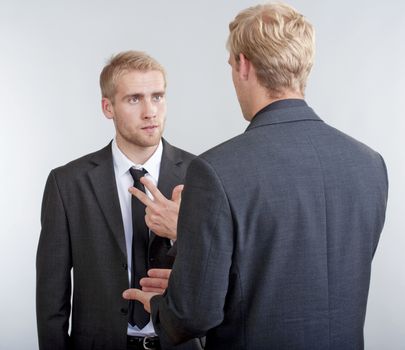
[280, 104]
[102, 156]
[283, 111]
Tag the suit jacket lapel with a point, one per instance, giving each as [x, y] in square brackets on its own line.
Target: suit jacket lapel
[170, 170]
[170, 173]
[102, 178]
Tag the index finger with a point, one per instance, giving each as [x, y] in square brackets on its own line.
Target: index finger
[149, 282]
[159, 273]
[134, 294]
[142, 196]
[148, 183]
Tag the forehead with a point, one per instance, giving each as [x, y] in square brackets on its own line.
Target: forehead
[136, 81]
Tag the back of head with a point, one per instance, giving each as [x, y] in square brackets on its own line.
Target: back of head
[122, 63]
[278, 41]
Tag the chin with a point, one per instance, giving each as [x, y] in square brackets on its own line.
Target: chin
[151, 142]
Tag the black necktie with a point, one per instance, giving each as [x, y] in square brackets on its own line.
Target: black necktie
[140, 240]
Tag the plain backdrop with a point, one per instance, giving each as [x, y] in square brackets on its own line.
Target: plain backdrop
[51, 54]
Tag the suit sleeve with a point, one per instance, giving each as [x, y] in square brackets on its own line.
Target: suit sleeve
[53, 266]
[195, 298]
[384, 198]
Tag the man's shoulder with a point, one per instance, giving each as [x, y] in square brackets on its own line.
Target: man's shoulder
[225, 150]
[176, 153]
[84, 163]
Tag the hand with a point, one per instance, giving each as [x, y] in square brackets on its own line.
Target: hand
[157, 281]
[143, 297]
[161, 213]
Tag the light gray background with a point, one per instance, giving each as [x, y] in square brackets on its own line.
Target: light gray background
[51, 54]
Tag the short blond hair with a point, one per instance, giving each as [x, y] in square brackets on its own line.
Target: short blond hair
[123, 62]
[278, 41]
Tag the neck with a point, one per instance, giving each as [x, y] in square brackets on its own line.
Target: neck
[135, 153]
[265, 98]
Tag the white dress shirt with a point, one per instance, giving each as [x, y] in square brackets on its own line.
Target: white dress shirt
[124, 181]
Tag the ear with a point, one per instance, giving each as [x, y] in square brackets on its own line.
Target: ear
[107, 107]
[245, 67]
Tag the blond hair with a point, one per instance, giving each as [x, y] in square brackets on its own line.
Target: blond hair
[278, 41]
[125, 62]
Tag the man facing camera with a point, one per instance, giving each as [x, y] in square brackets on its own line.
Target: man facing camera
[91, 225]
[278, 226]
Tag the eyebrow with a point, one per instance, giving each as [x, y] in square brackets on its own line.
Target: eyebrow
[141, 95]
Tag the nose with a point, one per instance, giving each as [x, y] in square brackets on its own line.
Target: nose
[150, 110]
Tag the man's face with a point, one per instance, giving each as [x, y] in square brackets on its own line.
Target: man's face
[139, 108]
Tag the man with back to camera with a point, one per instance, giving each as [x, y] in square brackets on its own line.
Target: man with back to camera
[91, 225]
[278, 226]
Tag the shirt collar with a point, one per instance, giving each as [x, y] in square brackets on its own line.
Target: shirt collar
[122, 163]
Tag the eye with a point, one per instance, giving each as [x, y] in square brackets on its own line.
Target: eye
[133, 99]
[157, 98]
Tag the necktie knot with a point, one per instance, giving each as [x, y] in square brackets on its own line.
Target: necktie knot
[137, 173]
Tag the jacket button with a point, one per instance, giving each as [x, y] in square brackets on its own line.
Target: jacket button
[152, 259]
[125, 266]
[124, 311]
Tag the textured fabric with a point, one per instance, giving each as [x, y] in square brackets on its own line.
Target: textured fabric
[82, 230]
[276, 234]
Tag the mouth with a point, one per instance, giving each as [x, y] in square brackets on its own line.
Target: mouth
[150, 128]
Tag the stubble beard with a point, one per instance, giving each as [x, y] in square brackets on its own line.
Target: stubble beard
[143, 141]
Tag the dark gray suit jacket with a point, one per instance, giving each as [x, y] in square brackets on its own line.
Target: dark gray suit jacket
[82, 230]
[277, 231]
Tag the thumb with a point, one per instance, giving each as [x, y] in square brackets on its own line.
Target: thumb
[176, 195]
[134, 294]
